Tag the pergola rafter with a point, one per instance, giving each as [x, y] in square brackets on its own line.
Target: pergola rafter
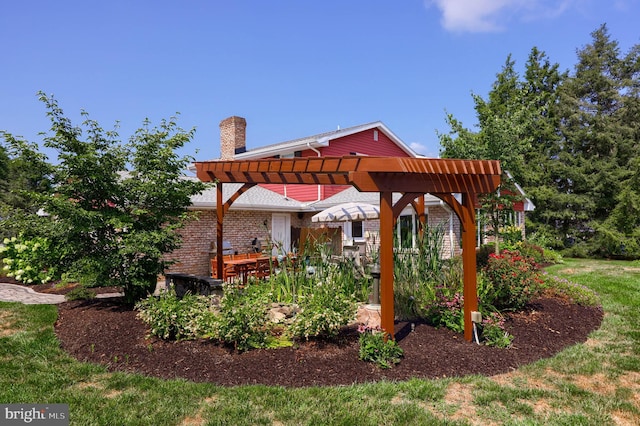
[413, 177]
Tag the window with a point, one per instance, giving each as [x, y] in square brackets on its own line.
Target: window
[406, 230]
[357, 229]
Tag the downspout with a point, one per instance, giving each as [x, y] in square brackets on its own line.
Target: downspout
[319, 186]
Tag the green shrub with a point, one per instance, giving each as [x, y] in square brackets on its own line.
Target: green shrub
[171, 318]
[515, 280]
[482, 254]
[447, 309]
[323, 312]
[493, 331]
[80, 293]
[242, 320]
[538, 253]
[374, 348]
[511, 235]
[575, 293]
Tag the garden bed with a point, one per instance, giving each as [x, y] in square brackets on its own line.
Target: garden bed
[108, 333]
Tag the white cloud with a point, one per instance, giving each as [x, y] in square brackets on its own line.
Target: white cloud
[494, 15]
[422, 150]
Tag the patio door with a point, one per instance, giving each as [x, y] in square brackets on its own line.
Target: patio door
[281, 233]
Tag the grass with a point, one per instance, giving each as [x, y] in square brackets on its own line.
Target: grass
[595, 383]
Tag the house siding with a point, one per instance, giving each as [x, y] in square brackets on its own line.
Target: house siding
[361, 143]
[364, 143]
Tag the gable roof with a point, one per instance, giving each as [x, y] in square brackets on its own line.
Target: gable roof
[527, 203]
[321, 140]
[256, 198]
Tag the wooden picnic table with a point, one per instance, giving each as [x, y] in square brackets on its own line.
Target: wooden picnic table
[251, 265]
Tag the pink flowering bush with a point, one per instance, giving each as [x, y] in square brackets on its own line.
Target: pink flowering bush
[515, 280]
[493, 331]
[447, 309]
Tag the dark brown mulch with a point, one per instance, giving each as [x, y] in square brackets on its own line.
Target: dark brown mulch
[106, 332]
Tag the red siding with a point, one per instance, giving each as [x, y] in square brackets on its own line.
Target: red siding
[361, 143]
[364, 143]
[275, 187]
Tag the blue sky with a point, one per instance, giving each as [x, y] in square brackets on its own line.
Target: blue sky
[291, 68]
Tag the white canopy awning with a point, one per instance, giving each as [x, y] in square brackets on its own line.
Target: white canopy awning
[347, 212]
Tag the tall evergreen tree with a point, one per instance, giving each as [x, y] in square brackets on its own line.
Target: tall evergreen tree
[599, 129]
[542, 80]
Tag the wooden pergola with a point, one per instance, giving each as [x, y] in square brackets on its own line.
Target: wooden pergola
[412, 177]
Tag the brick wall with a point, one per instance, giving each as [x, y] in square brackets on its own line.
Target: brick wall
[241, 227]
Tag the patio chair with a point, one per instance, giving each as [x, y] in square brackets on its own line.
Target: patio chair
[263, 268]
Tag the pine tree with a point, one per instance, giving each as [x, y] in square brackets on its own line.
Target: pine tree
[599, 129]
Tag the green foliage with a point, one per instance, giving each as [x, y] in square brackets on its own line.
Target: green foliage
[172, 318]
[493, 332]
[80, 293]
[417, 271]
[27, 259]
[482, 254]
[323, 312]
[515, 280]
[242, 319]
[34, 368]
[377, 348]
[537, 253]
[114, 210]
[575, 293]
[580, 130]
[22, 170]
[447, 309]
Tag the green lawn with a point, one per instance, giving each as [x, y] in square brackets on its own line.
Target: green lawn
[595, 383]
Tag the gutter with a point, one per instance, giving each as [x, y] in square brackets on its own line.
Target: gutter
[323, 141]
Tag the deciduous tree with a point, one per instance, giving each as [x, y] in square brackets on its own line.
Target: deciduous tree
[114, 210]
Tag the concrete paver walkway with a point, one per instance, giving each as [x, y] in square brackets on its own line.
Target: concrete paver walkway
[26, 295]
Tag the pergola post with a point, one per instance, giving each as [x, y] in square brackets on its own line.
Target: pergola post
[387, 314]
[219, 221]
[470, 292]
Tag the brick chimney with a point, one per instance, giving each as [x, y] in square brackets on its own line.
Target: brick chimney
[233, 136]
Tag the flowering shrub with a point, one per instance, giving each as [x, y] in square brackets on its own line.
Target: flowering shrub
[511, 234]
[515, 280]
[575, 293]
[493, 332]
[171, 318]
[538, 253]
[22, 259]
[447, 310]
[243, 320]
[374, 348]
[323, 312]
